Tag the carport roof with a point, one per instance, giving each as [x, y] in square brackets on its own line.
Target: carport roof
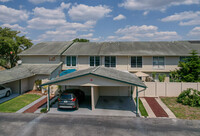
[103, 72]
[25, 71]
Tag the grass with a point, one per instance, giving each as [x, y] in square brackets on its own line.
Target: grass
[182, 111]
[17, 103]
[142, 109]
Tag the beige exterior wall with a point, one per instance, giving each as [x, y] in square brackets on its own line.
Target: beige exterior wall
[124, 63]
[39, 59]
[171, 89]
[91, 80]
[14, 86]
[114, 91]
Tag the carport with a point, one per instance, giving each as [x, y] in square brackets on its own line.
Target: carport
[100, 80]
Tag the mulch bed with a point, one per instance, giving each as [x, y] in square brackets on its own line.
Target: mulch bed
[35, 92]
[37, 105]
[156, 108]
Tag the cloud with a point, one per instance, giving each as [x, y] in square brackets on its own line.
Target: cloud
[15, 27]
[145, 13]
[10, 15]
[154, 4]
[195, 32]
[41, 1]
[143, 33]
[184, 18]
[65, 5]
[119, 17]
[5, 0]
[86, 35]
[47, 18]
[83, 12]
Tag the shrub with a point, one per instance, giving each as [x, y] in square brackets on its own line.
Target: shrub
[44, 110]
[190, 97]
[161, 77]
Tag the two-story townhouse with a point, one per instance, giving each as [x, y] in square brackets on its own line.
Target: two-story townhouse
[47, 59]
[146, 57]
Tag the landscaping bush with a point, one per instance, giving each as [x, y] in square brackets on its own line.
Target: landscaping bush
[44, 110]
[190, 97]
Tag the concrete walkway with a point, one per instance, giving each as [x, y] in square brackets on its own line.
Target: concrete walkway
[148, 109]
[30, 105]
[167, 110]
[4, 99]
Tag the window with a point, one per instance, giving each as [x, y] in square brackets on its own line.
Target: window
[158, 62]
[110, 61]
[183, 58]
[136, 62]
[94, 60]
[71, 60]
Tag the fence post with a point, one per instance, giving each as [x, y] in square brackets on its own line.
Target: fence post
[165, 89]
[181, 86]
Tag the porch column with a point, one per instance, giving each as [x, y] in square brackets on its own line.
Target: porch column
[137, 101]
[92, 98]
[48, 99]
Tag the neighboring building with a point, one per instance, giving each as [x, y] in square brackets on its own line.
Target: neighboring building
[50, 58]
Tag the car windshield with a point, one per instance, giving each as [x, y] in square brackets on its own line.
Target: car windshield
[1, 88]
[66, 96]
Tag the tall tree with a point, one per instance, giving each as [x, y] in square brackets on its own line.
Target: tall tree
[81, 40]
[11, 44]
[189, 69]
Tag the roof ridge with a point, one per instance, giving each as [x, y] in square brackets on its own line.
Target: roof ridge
[95, 69]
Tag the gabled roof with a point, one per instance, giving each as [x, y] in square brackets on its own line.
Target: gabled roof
[177, 48]
[25, 71]
[47, 48]
[103, 72]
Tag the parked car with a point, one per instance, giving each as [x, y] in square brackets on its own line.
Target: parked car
[68, 100]
[4, 91]
[78, 93]
[71, 98]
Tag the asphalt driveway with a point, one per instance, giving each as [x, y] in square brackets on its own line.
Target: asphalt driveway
[106, 106]
[13, 124]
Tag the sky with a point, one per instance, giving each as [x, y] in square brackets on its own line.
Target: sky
[103, 20]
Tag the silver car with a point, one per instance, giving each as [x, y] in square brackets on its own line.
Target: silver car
[5, 91]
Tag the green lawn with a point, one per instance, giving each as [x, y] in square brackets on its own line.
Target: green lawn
[17, 103]
[181, 111]
[142, 109]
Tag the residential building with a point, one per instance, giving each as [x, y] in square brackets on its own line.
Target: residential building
[133, 57]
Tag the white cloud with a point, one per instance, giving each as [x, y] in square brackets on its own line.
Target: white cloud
[83, 12]
[40, 1]
[5, 0]
[143, 33]
[65, 5]
[86, 35]
[184, 18]
[10, 15]
[47, 18]
[145, 13]
[119, 17]
[195, 32]
[15, 27]
[154, 4]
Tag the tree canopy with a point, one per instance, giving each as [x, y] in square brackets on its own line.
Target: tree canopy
[189, 69]
[11, 44]
[81, 40]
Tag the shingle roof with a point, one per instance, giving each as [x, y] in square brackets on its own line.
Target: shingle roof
[104, 72]
[47, 48]
[26, 70]
[177, 48]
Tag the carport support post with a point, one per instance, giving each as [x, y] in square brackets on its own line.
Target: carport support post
[137, 101]
[48, 99]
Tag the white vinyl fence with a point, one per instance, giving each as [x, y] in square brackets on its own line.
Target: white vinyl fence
[167, 89]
